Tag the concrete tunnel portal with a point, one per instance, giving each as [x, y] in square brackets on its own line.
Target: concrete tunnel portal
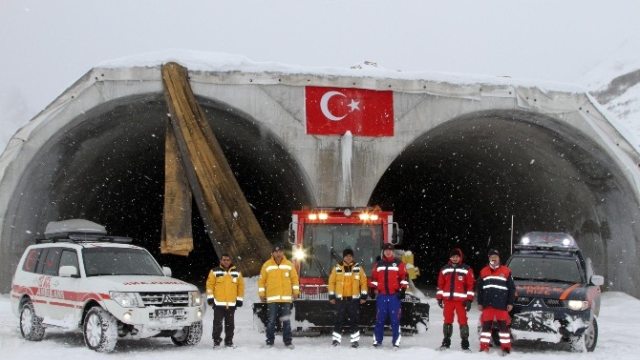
[108, 167]
[454, 182]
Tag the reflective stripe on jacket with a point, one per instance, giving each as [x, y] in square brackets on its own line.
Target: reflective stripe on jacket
[347, 281]
[389, 275]
[278, 282]
[225, 286]
[495, 287]
[456, 282]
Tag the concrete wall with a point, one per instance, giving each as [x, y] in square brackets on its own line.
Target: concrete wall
[274, 103]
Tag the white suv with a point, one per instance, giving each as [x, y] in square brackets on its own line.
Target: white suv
[80, 278]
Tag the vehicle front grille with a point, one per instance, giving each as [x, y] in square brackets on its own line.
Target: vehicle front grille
[553, 303]
[523, 300]
[314, 292]
[165, 299]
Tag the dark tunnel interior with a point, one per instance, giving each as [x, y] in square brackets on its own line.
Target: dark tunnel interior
[460, 184]
[109, 168]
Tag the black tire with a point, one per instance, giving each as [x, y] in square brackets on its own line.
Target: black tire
[189, 335]
[31, 326]
[100, 330]
[588, 340]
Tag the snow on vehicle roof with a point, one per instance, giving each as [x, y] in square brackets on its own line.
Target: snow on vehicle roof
[65, 227]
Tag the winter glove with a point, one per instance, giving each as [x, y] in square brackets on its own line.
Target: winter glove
[401, 294]
[210, 301]
[467, 305]
[440, 304]
[238, 303]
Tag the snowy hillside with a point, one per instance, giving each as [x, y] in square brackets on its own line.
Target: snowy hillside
[618, 322]
[615, 84]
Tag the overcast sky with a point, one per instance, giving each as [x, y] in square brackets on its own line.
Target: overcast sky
[47, 45]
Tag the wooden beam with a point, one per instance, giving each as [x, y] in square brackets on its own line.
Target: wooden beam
[177, 237]
[230, 222]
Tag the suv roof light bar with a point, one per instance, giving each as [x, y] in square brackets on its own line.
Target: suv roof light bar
[547, 240]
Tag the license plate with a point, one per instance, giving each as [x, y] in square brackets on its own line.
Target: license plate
[169, 313]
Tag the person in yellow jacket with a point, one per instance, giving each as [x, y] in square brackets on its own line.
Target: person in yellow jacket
[225, 292]
[278, 285]
[347, 290]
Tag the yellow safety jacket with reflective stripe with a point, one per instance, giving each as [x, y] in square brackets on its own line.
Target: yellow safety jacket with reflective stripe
[278, 282]
[347, 281]
[225, 286]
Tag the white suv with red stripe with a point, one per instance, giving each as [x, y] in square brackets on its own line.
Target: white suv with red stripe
[80, 278]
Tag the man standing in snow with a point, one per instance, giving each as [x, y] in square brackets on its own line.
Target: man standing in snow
[347, 290]
[455, 294]
[278, 285]
[225, 292]
[496, 294]
[389, 279]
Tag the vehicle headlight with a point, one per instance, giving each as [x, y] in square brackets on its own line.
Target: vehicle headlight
[126, 299]
[194, 298]
[577, 305]
[299, 254]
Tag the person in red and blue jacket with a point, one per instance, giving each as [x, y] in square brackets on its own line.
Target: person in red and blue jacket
[389, 279]
[455, 294]
[496, 293]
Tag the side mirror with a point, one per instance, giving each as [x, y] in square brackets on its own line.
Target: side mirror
[166, 271]
[396, 237]
[68, 271]
[597, 280]
[292, 234]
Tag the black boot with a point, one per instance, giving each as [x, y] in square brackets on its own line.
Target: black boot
[464, 335]
[447, 330]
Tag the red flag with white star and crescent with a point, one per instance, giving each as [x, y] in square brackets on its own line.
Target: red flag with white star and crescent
[334, 111]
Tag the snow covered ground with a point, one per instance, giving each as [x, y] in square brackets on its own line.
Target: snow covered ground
[619, 324]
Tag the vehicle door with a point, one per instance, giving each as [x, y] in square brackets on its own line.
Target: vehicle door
[28, 278]
[593, 290]
[48, 285]
[66, 292]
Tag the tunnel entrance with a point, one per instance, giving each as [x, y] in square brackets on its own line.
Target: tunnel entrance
[107, 166]
[459, 185]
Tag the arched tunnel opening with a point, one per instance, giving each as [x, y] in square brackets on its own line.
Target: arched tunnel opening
[461, 184]
[107, 166]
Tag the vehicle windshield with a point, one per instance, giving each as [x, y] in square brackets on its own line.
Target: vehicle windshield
[546, 269]
[324, 244]
[119, 261]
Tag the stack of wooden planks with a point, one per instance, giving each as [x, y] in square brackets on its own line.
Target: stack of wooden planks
[195, 164]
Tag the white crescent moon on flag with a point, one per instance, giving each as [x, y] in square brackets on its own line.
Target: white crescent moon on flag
[324, 105]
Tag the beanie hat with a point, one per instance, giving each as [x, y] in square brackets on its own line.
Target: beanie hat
[277, 247]
[387, 246]
[346, 252]
[455, 251]
[493, 252]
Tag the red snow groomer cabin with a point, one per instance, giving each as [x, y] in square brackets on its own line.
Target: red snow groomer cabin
[317, 237]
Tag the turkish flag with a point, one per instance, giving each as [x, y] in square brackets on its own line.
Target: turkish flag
[334, 111]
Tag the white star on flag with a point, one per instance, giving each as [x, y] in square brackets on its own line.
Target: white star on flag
[354, 105]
